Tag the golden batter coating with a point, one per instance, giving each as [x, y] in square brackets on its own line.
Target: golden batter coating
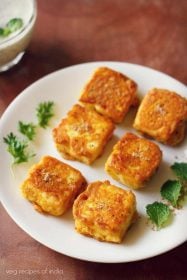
[133, 160]
[110, 93]
[52, 186]
[83, 134]
[104, 211]
[162, 115]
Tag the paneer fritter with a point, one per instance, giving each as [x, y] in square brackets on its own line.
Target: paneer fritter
[110, 93]
[104, 211]
[162, 115]
[52, 186]
[133, 161]
[83, 134]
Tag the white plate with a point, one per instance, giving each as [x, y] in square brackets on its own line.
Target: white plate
[64, 87]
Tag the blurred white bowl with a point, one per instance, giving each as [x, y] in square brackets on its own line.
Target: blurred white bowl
[13, 46]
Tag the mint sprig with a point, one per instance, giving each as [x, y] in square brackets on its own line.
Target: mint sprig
[158, 213]
[171, 191]
[180, 170]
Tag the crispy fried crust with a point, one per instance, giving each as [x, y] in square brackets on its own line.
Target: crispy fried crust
[52, 186]
[104, 211]
[110, 93]
[162, 115]
[133, 160]
[83, 134]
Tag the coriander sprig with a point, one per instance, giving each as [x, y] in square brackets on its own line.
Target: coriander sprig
[17, 148]
[45, 111]
[27, 129]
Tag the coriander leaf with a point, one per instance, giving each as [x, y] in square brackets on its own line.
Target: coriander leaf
[171, 190]
[27, 129]
[158, 213]
[14, 24]
[180, 169]
[44, 113]
[17, 148]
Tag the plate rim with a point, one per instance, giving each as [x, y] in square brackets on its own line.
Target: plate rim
[25, 92]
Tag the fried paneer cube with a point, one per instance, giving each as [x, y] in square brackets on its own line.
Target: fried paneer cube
[133, 161]
[52, 186]
[162, 115]
[110, 93]
[83, 134]
[104, 211]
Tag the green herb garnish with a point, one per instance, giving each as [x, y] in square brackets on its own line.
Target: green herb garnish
[158, 213]
[180, 169]
[12, 26]
[4, 32]
[17, 148]
[171, 191]
[27, 129]
[44, 113]
[1, 31]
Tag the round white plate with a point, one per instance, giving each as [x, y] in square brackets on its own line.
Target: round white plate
[64, 87]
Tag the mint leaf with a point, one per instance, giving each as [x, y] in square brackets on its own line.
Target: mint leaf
[27, 129]
[14, 24]
[180, 169]
[158, 213]
[171, 191]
